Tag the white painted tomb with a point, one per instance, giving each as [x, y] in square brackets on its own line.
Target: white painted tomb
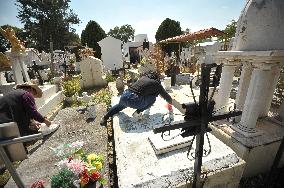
[111, 53]
[92, 72]
[50, 99]
[259, 48]
[139, 166]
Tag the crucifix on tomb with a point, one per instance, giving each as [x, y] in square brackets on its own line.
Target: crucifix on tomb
[35, 69]
[198, 115]
[65, 66]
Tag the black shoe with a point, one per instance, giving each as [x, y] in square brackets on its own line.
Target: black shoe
[103, 122]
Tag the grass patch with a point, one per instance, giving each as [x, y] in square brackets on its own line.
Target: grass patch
[5, 175]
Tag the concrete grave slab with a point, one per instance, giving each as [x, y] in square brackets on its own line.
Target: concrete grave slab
[139, 166]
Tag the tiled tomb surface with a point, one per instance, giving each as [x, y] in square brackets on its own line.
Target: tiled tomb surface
[139, 166]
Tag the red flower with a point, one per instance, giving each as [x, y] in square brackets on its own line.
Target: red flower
[95, 176]
[38, 184]
[70, 159]
[84, 177]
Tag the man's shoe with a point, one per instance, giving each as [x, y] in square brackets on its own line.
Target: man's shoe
[137, 115]
[103, 122]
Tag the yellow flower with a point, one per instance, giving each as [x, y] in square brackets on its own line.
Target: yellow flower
[98, 165]
[91, 157]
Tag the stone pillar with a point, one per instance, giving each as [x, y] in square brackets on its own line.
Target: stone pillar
[243, 87]
[16, 67]
[257, 92]
[225, 86]
[274, 76]
[2, 78]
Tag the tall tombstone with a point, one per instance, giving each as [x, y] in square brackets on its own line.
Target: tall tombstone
[92, 72]
[111, 53]
[19, 68]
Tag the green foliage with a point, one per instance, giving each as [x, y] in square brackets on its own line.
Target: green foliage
[123, 33]
[91, 35]
[5, 44]
[46, 20]
[109, 77]
[71, 87]
[168, 28]
[103, 96]
[64, 179]
[229, 31]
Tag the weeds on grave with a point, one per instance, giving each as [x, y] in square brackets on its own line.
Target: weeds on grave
[109, 77]
[5, 175]
[71, 87]
[103, 96]
[76, 168]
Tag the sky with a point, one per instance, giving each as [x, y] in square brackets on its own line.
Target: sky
[144, 16]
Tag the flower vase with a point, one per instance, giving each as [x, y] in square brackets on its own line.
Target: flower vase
[91, 185]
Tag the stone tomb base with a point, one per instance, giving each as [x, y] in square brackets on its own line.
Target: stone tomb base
[49, 100]
[139, 166]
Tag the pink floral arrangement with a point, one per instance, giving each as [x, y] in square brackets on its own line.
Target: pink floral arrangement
[86, 168]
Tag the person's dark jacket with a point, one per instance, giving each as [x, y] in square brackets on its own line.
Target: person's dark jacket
[19, 106]
[147, 86]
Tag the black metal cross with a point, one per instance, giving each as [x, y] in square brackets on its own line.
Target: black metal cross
[198, 116]
[36, 68]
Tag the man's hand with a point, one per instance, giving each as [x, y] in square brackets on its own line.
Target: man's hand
[47, 122]
[169, 106]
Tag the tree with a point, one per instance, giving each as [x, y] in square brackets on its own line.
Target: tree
[91, 35]
[187, 31]
[168, 28]
[123, 33]
[47, 20]
[230, 32]
[5, 44]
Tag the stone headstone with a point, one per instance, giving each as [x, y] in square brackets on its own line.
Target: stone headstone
[111, 53]
[19, 68]
[92, 72]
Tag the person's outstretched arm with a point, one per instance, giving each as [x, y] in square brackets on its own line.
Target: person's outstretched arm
[165, 95]
[30, 107]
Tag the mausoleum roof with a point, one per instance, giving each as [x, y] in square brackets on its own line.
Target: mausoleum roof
[198, 35]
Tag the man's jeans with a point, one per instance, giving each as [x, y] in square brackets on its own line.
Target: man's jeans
[132, 100]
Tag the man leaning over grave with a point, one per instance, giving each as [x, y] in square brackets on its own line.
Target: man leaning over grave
[141, 95]
[19, 106]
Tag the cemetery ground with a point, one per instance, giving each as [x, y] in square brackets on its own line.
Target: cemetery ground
[75, 126]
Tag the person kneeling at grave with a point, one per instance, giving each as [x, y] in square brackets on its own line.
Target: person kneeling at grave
[19, 106]
[140, 96]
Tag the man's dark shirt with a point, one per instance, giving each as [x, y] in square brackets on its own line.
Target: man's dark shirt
[146, 86]
[19, 106]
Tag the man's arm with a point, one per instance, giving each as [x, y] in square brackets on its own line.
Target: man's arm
[30, 107]
[165, 95]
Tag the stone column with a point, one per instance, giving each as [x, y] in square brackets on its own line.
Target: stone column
[243, 87]
[274, 76]
[2, 78]
[225, 86]
[257, 92]
[16, 67]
